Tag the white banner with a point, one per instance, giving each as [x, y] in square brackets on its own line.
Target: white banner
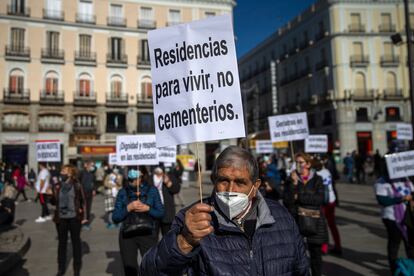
[134, 150]
[288, 127]
[400, 164]
[316, 144]
[195, 82]
[404, 132]
[112, 159]
[264, 146]
[48, 151]
[167, 155]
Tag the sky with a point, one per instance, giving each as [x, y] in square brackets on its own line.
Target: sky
[255, 20]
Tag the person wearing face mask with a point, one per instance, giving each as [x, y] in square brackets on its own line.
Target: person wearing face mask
[87, 180]
[235, 231]
[69, 216]
[304, 197]
[112, 183]
[129, 200]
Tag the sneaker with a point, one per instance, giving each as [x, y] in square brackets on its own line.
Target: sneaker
[110, 226]
[40, 220]
[16, 203]
[49, 217]
[86, 228]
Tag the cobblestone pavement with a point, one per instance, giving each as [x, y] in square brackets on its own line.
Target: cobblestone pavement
[363, 238]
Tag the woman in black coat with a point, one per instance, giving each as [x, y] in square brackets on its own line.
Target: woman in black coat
[304, 189]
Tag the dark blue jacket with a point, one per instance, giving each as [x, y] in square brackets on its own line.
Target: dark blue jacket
[276, 247]
[148, 195]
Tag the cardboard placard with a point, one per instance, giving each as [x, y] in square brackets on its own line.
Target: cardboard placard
[134, 150]
[289, 127]
[316, 144]
[48, 151]
[400, 164]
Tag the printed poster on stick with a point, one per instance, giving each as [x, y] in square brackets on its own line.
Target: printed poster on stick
[167, 155]
[112, 159]
[401, 164]
[48, 151]
[316, 144]
[264, 146]
[405, 132]
[289, 127]
[195, 82]
[134, 150]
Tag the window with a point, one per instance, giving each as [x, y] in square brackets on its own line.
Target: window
[327, 118]
[85, 121]
[144, 50]
[388, 49]
[116, 11]
[84, 86]
[115, 122]
[392, 114]
[391, 81]
[146, 13]
[17, 39]
[51, 83]
[116, 87]
[174, 17]
[360, 85]
[52, 41]
[85, 10]
[357, 49]
[17, 6]
[362, 114]
[145, 123]
[146, 89]
[355, 20]
[116, 48]
[16, 82]
[85, 45]
[54, 9]
[386, 20]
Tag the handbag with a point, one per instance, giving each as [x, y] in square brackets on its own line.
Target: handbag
[308, 221]
[137, 224]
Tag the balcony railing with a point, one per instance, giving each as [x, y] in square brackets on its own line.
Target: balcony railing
[356, 28]
[53, 54]
[113, 99]
[19, 11]
[52, 97]
[85, 18]
[142, 100]
[390, 60]
[146, 24]
[85, 58]
[359, 60]
[119, 129]
[53, 14]
[387, 28]
[84, 99]
[393, 94]
[143, 61]
[120, 59]
[16, 96]
[84, 129]
[116, 21]
[363, 94]
[19, 52]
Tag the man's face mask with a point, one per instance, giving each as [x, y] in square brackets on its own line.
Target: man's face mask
[233, 204]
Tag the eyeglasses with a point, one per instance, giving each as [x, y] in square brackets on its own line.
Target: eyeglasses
[300, 162]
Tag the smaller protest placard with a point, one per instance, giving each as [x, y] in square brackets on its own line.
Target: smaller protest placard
[134, 150]
[400, 164]
[264, 146]
[167, 154]
[404, 132]
[48, 151]
[316, 144]
[289, 127]
[112, 159]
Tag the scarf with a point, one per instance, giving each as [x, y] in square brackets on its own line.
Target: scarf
[158, 184]
[399, 209]
[64, 199]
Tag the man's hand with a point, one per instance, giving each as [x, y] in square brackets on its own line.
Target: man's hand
[295, 178]
[167, 181]
[197, 226]
[407, 198]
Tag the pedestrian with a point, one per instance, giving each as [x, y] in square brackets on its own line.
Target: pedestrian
[393, 195]
[32, 178]
[273, 178]
[349, 167]
[167, 186]
[235, 231]
[44, 192]
[359, 161]
[138, 198]
[178, 171]
[112, 183]
[21, 184]
[304, 197]
[377, 164]
[69, 216]
[87, 180]
[100, 175]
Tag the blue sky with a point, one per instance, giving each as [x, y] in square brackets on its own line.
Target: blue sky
[254, 20]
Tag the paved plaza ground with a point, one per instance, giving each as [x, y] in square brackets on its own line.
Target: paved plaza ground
[362, 232]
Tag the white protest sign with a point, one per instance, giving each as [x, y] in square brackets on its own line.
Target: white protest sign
[264, 146]
[48, 151]
[167, 155]
[288, 127]
[400, 164]
[195, 82]
[112, 159]
[404, 132]
[316, 143]
[133, 150]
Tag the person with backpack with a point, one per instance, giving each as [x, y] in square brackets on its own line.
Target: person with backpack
[21, 184]
[87, 180]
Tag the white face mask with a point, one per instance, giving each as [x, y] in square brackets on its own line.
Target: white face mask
[233, 204]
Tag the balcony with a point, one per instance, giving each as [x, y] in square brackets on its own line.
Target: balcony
[146, 24]
[53, 56]
[119, 60]
[84, 129]
[83, 99]
[356, 28]
[387, 28]
[19, 96]
[390, 61]
[52, 97]
[18, 11]
[116, 21]
[143, 101]
[85, 58]
[393, 94]
[17, 53]
[53, 14]
[114, 100]
[143, 62]
[321, 65]
[85, 18]
[359, 60]
[362, 94]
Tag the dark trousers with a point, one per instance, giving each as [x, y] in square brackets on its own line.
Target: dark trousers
[44, 198]
[73, 226]
[360, 175]
[315, 253]
[19, 192]
[393, 245]
[165, 227]
[129, 250]
[329, 211]
[88, 199]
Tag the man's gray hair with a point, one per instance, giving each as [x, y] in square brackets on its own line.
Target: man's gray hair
[236, 157]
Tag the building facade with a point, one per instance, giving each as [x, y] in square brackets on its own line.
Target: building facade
[78, 71]
[335, 61]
